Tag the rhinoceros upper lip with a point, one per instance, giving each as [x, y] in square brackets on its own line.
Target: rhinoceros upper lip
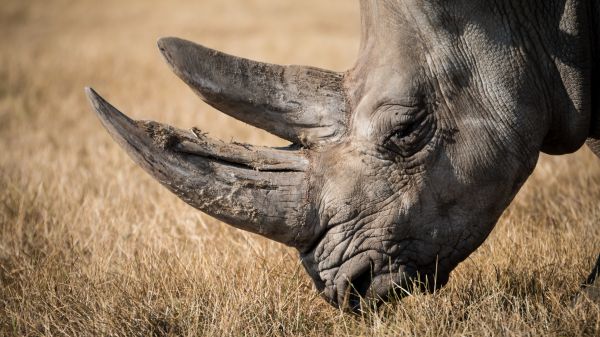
[396, 283]
[359, 278]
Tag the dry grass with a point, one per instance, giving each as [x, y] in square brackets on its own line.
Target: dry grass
[90, 245]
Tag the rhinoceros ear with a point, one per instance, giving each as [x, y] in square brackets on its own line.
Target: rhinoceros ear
[301, 104]
[593, 140]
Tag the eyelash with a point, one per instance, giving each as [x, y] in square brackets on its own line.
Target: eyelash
[409, 138]
[407, 130]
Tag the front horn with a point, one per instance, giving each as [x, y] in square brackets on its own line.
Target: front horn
[257, 189]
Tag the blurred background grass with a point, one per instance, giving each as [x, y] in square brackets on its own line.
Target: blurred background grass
[90, 245]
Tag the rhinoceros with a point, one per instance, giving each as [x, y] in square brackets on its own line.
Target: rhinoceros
[398, 168]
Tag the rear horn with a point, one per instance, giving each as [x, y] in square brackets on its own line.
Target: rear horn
[303, 105]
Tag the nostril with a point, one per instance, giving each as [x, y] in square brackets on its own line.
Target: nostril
[358, 289]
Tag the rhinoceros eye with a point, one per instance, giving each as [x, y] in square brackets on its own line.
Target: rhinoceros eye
[410, 136]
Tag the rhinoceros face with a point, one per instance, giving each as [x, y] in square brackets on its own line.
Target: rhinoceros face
[399, 168]
[426, 165]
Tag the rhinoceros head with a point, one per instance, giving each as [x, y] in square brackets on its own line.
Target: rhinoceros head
[398, 169]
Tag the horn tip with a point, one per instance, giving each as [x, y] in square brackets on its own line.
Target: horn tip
[90, 92]
[181, 53]
[107, 113]
[169, 46]
[95, 99]
[165, 42]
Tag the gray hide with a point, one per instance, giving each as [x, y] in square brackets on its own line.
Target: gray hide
[400, 167]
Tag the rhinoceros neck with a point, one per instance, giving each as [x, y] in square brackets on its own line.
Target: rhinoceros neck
[595, 23]
[557, 35]
[594, 135]
[553, 37]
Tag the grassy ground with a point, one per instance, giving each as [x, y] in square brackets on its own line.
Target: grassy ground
[90, 245]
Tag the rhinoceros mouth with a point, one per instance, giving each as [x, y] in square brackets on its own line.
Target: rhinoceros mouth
[359, 283]
[367, 290]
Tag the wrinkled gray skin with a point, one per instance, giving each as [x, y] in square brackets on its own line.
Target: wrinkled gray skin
[400, 167]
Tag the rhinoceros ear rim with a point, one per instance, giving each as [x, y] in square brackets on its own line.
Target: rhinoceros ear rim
[593, 138]
[304, 105]
[258, 189]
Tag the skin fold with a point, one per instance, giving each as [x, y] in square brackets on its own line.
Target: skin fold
[399, 168]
